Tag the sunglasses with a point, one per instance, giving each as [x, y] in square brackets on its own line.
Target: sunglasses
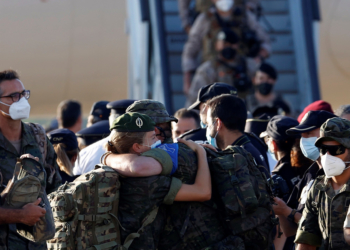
[332, 150]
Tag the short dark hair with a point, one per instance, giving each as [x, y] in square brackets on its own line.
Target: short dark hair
[68, 113]
[230, 109]
[184, 113]
[8, 75]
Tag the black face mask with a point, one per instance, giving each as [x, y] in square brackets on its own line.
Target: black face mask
[265, 88]
[228, 53]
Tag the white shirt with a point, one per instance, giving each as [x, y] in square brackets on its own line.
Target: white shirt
[89, 157]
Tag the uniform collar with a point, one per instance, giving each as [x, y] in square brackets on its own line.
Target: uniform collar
[26, 139]
[241, 141]
[325, 185]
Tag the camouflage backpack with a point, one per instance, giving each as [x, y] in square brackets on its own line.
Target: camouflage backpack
[85, 213]
[26, 186]
[243, 196]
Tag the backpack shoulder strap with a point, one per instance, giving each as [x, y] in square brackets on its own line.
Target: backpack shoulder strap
[40, 137]
[150, 217]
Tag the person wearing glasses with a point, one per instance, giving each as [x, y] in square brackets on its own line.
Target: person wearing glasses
[19, 139]
[327, 203]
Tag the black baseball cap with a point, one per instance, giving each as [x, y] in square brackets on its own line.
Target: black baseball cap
[311, 121]
[210, 91]
[277, 126]
[95, 132]
[64, 136]
[120, 106]
[99, 110]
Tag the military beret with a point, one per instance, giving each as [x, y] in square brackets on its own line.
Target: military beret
[99, 110]
[335, 129]
[133, 122]
[64, 136]
[210, 91]
[268, 69]
[154, 109]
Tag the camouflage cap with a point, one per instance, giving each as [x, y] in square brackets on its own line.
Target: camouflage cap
[335, 129]
[154, 109]
[133, 122]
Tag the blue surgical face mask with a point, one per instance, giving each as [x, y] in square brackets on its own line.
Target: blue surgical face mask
[211, 140]
[307, 146]
[203, 125]
[154, 145]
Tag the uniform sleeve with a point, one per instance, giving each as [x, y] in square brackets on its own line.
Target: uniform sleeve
[54, 179]
[308, 230]
[162, 157]
[254, 25]
[194, 43]
[174, 189]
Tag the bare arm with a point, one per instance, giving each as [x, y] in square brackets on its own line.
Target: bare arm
[305, 247]
[201, 189]
[29, 214]
[131, 165]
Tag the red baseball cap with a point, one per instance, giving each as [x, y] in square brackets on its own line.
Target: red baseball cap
[317, 105]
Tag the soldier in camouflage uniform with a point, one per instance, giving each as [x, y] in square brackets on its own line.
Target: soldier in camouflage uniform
[16, 139]
[208, 24]
[139, 196]
[227, 67]
[189, 225]
[328, 199]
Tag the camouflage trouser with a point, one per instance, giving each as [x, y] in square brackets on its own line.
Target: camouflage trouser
[229, 243]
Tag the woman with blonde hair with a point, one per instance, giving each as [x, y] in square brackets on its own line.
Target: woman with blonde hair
[65, 144]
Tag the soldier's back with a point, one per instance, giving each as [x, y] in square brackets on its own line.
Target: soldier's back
[190, 225]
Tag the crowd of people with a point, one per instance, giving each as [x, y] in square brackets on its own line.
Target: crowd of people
[178, 174]
[226, 43]
[232, 170]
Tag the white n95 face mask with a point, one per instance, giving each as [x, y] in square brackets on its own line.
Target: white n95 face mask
[332, 166]
[224, 5]
[18, 110]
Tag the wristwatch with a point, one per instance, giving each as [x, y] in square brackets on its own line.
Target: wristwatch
[291, 215]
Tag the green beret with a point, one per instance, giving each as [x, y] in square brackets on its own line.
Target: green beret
[335, 129]
[133, 122]
[154, 109]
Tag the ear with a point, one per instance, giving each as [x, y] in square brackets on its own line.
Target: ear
[219, 124]
[137, 148]
[74, 158]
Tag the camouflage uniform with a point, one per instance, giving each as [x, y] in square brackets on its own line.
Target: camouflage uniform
[204, 5]
[202, 30]
[189, 225]
[324, 215]
[212, 71]
[8, 157]
[325, 210]
[141, 196]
